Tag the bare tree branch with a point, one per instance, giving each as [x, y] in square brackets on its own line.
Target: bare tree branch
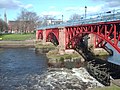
[75, 17]
[28, 21]
[3, 26]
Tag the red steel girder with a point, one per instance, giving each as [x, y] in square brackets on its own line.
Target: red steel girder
[107, 32]
[55, 32]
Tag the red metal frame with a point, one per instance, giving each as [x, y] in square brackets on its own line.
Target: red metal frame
[40, 34]
[55, 32]
[106, 32]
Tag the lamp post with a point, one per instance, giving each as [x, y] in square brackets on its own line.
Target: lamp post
[85, 11]
[86, 37]
[62, 18]
[114, 14]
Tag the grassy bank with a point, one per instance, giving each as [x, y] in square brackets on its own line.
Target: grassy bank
[54, 54]
[46, 46]
[112, 87]
[17, 37]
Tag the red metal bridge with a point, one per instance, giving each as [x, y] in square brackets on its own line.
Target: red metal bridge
[98, 31]
[105, 29]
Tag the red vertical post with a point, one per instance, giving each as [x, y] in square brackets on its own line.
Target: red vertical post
[95, 41]
[115, 35]
[98, 29]
[66, 37]
[105, 31]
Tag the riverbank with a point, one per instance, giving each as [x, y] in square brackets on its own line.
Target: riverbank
[67, 60]
[15, 44]
[17, 37]
[17, 40]
[40, 48]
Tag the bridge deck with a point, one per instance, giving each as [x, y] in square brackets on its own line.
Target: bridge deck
[96, 18]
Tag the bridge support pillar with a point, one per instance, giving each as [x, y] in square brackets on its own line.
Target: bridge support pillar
[91, 41]
[44, 37]
[61, 40]
[37, 35]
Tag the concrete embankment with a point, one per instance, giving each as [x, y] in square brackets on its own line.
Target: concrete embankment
[14, 44]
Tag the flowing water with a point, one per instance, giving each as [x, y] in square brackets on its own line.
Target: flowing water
[16, 65]
[21, 68]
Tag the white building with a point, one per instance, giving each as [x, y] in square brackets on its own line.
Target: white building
[53, 22]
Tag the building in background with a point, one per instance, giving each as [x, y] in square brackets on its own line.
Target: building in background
[21, 27]
[3, 24]
[53, 22]
[5, 16]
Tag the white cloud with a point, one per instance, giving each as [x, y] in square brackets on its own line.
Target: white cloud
[52, 7]
[27, 6]
[81, 10]
[91, 10]
[13, 4]
[73, 8]
[95, 9]
[51, 13]
[110, 3]
[104, 6]
[113, 4]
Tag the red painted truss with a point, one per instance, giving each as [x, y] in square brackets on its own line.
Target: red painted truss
[40, 34]
[51, 32]
[105, 32]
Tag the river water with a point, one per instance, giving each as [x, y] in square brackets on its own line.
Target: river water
[21, 68]
[17, 65]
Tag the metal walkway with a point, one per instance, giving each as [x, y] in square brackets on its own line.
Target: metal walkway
[113, 15]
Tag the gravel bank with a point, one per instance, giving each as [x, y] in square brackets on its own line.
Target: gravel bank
[12, 44]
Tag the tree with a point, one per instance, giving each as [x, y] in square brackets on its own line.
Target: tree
[27, 21]
[45, 20]
[75, 17]
[3, 26]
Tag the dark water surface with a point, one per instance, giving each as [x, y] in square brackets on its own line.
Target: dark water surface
[16, 65]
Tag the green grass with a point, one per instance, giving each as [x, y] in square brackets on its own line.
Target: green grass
[103, 54]
[41, 46]
[55, 55]
[112, 87]
[17, 37]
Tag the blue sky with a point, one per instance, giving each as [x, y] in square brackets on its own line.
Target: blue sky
[56, 8]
